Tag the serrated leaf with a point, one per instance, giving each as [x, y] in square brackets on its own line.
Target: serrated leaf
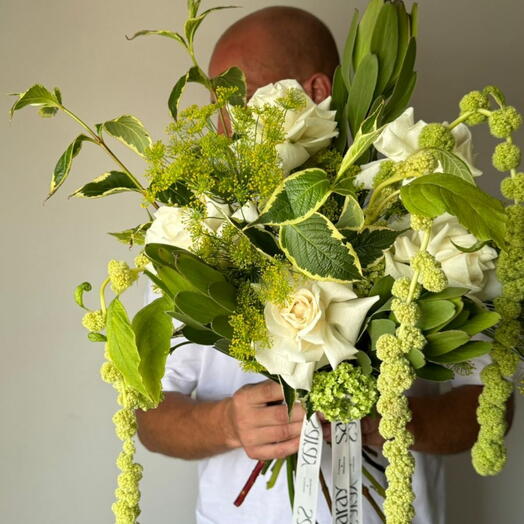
[200, 308]
[132, 236]
[432, 195]
[36, 95]
[317, 249]
[153, 330]
[159, 32]
[121, 346]
[435, 372]
[453, 164]
[296, 198]
[233, 77]
[370, 244]
[106, 184]
[63, 166]
[352, 215]
[480, 322]
[466, 352]
[444, 342]
[79, 293]
[384, 44]
[435, 313]
[130, 131]
[361, 92]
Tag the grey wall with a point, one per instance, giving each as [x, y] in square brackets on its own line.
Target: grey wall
[56, 442]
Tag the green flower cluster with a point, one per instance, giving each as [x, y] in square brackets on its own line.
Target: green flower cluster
[94, 321]
[489, 452]
[344, 394]
[126, 507]
[431, 275]
[436, 135]
[121, 275]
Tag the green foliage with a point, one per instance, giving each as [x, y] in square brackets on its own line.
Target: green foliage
[435, 372]
[296, 198]
[135, 235]
[107, 184]
[79, 293]
[38, 96]
[453, 165]
[435, 312]
[128, 130]
[317, 249]
[352, 215]
[464, 353]
[369, 244]
[480, 213]
[444, 342]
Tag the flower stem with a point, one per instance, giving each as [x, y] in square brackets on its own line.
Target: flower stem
[325, 491]
[374, 482]
[414, 278]
[374, 505]
[103, 286]
[275, 471]
[249, 483]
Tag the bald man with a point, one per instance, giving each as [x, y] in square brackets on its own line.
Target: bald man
[233, 419]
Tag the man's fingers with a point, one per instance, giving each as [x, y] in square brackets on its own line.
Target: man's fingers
[274, 451]
[272, 434]
[263, 392]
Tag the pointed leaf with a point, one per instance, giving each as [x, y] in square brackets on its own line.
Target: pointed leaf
[198, 307]
[130, 131]
[351, 215]
[175, 95]
[435, 312]
[106, 184]
[369, 244]
[233, 77]
[347, 56]
[444, 341]
[466, 352]
[202, 337]
[36, 95]
[453, 164]
[296, 198]
[471, 249]
[153, 330]
[481, 214]
[480, 322]
[133, 236]
[450, 292]
[365, 31]
[317, 249]
[435, 372]
[160, 32]
[379, 327]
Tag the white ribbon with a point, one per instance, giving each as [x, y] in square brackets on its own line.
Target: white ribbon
[308, 468]
[346, 445]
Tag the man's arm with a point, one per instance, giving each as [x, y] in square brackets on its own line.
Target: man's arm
[442, 424]
[191, 429]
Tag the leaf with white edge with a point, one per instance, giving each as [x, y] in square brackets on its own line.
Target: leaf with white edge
[471, 249]
[466, 352]
[444, 342]
[435, 372]
[133, 236]
[36, 95]
[193, 22]
[121, 346]
[130, 131]
[232, 78]
[351, 215]
[480, 322]
[296, 198]
[317, 249]
[63, 166]
[370, 244]
[434, 313]
[345, 185]
[453, 165]
[159, 32]
[176, 93]
[432, 195]
[79, 293]
[106, 184]
[366, 135]
[49, 111]
[153, 331]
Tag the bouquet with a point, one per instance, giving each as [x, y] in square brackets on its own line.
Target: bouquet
[342, 249]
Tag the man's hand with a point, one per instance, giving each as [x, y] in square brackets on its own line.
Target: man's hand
[260, 424]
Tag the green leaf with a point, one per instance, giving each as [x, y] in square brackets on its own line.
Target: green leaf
[177, 194]
[403, 40]
[471, 249]
[379, 327]
[224, 294]
[434, 313]
[351, 215]
[96, 337]
[176, 93]
[435, 372]
[465, 352]
[339, 96]
[263, 240]
[49, 111]
[196, 272]
[202, 337]
[370, 244]
[444, 342]
[480, 322]
[36, 95]
[382, 288]
[160, 32]
[106, 184]
[449, 292]
[317, 249]
[364, 362]
[130, 131]
[233, 77]
[416, 357]
[296, 198]
[345, 185]
[200, 308]
[79, 293]
[289, 395]
[221, 326]
[193, 22]
[367, 134]
[361, 92]
[121, 346]
[481, 214]
[347, 55]
[153, 330]
[365, 31]
[134, 236]
[453, 165]
[384, 43]
[63, 166]
[174, 281]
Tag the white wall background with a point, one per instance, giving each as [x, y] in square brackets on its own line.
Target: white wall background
[57, 444]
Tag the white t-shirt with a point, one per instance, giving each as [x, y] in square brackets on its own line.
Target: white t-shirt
[211, 375]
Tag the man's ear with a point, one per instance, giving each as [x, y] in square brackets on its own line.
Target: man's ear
[318, 87]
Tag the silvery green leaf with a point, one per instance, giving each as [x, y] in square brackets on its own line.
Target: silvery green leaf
[130, 131]
[107, 184]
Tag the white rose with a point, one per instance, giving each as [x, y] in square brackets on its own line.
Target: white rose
[475, 271]
[320, 326]
[308, 130]
[399, 140]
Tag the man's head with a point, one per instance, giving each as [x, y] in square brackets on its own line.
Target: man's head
[277, 43]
